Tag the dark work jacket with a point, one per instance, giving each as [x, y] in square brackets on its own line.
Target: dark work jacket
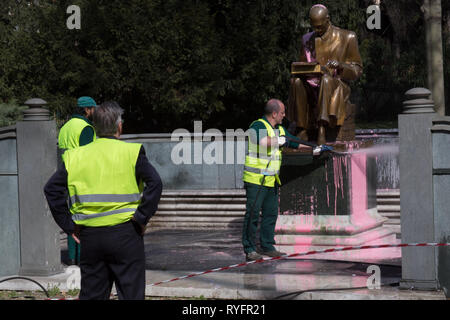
[87, 135]
[56, 192]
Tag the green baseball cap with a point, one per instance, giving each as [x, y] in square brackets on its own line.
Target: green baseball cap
[86, 102]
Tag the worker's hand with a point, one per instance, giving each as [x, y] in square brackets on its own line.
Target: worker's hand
[281, 140]
[77, 240]
[317, 151]
[76, 234]
[141, 227]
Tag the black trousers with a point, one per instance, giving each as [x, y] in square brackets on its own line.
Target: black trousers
[112, 254]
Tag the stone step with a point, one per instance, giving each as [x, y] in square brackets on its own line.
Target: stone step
[388, 193]
[181, 206]
[388, 201]
[204, 193]
[195, 213]
[203, 200]
[388, 205]
[193, 225]
[394, 214]
[396, 229]
[392, 221]
[200, 219]
[388, 208]
[184, 209]
[200, 209]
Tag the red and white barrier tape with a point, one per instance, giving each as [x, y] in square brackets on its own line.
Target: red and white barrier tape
[304, 254]
[292, 256]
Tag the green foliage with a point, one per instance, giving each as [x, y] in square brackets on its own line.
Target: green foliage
[53, 291]
[10, 113]
[169, 62]
[73, 292]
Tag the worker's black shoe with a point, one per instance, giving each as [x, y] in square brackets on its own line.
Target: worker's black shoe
[253, 256]
[273, 253]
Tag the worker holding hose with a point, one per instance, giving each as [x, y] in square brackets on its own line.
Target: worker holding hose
[267, 137]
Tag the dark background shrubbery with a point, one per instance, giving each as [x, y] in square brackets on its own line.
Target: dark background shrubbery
[170, 62]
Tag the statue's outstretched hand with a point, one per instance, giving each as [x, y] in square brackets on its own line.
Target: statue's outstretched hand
[333, 64]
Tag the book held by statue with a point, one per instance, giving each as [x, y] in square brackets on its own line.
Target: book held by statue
[305, 68]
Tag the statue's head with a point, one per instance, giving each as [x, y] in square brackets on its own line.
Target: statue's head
[319, 19]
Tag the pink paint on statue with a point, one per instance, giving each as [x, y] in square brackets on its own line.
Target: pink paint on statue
[319, 5]
[310, 54]
[308, 47]
[338, 164]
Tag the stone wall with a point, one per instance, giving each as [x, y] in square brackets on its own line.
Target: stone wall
[228, 176]
[196, 175]
[9, 203]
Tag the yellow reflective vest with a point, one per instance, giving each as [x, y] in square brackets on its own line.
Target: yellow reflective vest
[69, 135]
[261, 161]
[102, 182]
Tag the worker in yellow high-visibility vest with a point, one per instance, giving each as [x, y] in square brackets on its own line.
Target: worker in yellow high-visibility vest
[107, 213]
[267, 137]
[76, 132]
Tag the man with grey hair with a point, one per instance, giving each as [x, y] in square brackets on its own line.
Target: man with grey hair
[108, 119]
[107, 213]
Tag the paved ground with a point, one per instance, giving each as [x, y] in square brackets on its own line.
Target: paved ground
[172, 254]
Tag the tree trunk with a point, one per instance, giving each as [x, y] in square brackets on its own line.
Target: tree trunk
[433, 25]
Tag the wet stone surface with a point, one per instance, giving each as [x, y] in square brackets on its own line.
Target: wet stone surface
[198, 251]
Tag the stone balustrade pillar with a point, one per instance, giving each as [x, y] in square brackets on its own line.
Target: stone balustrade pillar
[416, 190]
[40, 252]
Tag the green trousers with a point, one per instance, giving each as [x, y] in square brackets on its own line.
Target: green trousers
[266, 202]
[73, 249]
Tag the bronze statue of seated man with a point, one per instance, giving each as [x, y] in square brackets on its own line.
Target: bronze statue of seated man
[318, 101]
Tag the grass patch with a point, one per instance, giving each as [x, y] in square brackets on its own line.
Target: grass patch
[53, 291]
[73, 292]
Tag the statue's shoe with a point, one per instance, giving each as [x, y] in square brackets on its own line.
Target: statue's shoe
[321, 136]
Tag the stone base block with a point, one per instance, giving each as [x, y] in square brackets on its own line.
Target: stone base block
[430, 285]
[329, 224]
[362, 238]
[301, 243]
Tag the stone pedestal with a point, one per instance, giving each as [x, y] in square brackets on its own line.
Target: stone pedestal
[9, 208]
[329, 201]
[416, 190]
[36, 160]
[440, 132]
